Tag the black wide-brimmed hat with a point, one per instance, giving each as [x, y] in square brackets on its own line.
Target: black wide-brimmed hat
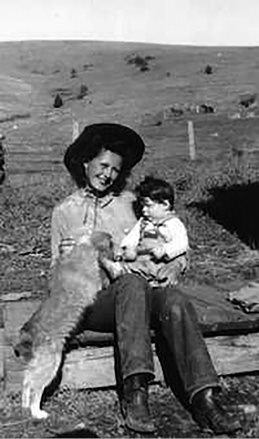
[115, 137]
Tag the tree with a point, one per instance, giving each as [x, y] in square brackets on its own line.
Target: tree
[58, 102]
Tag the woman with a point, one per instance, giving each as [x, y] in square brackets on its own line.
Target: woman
[99, 161]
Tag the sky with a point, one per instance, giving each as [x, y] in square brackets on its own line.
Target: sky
[195, 22]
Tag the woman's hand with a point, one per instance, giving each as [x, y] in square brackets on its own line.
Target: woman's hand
[129, 253]
[66, 245]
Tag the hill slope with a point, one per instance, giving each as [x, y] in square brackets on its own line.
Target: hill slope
[155, 89]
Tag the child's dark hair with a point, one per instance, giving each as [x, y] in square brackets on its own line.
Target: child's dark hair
[156, 189]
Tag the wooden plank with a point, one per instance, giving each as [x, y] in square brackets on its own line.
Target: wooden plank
[88, 368]
[234, 354]
[94, 367]
[216, 315]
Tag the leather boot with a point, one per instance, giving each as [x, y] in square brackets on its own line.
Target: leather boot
[207, 412]
[135, 404]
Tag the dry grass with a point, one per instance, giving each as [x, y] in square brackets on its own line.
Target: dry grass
[88, 414]
[31, 74]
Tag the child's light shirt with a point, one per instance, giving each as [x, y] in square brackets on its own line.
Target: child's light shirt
[170, 233]
[81, 213]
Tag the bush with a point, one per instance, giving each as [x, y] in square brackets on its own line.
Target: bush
[73, 73]
[139, 61]
[248, 100]
[87, 66]
[58, 102]
[208, 70]
[83, 91]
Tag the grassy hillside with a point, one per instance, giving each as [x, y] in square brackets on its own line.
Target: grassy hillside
[156, 90]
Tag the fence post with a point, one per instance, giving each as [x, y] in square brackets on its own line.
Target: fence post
[191, 137]
[75, 130]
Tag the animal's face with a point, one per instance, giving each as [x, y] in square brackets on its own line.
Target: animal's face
[102, 241]
[23, 349]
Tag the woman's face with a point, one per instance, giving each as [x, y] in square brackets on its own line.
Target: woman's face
[103, 170]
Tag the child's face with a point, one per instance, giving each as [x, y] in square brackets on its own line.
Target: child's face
[155, 211]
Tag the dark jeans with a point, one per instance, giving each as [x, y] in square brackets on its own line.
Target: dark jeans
[129, 308]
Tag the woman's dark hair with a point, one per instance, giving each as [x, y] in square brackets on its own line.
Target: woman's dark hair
[156, 189]
[95, 138]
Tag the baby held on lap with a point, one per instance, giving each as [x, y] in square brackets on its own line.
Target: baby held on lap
[158, 238]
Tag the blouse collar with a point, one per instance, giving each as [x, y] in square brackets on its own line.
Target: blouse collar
[87, 193]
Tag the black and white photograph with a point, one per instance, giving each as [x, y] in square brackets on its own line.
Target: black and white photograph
[129, 219]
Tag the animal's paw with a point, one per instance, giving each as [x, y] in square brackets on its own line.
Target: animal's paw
[39, 414]
[26, 398]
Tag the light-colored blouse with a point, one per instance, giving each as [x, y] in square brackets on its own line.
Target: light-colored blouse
[82, 213]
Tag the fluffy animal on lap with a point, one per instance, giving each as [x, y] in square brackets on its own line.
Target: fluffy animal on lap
[75, 281]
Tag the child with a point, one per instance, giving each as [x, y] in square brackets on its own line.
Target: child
[157, 238]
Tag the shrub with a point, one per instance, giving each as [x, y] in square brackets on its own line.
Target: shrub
[73, 73]
[87, 66]
[58, 102]
[144, 68]
[83, 91]
[248, 100]
[208, 70]
[140, 61]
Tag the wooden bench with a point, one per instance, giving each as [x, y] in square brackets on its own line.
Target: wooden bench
[232, 338]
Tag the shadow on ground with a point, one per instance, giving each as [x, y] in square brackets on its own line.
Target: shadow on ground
[236, 208]
[79, 433]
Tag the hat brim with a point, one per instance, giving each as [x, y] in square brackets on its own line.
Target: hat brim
[128, 144]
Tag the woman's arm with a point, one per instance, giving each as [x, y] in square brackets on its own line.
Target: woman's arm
[55, 236]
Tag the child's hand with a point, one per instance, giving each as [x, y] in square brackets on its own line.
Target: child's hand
[114, 269]
[157, 251]
[129, 253]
